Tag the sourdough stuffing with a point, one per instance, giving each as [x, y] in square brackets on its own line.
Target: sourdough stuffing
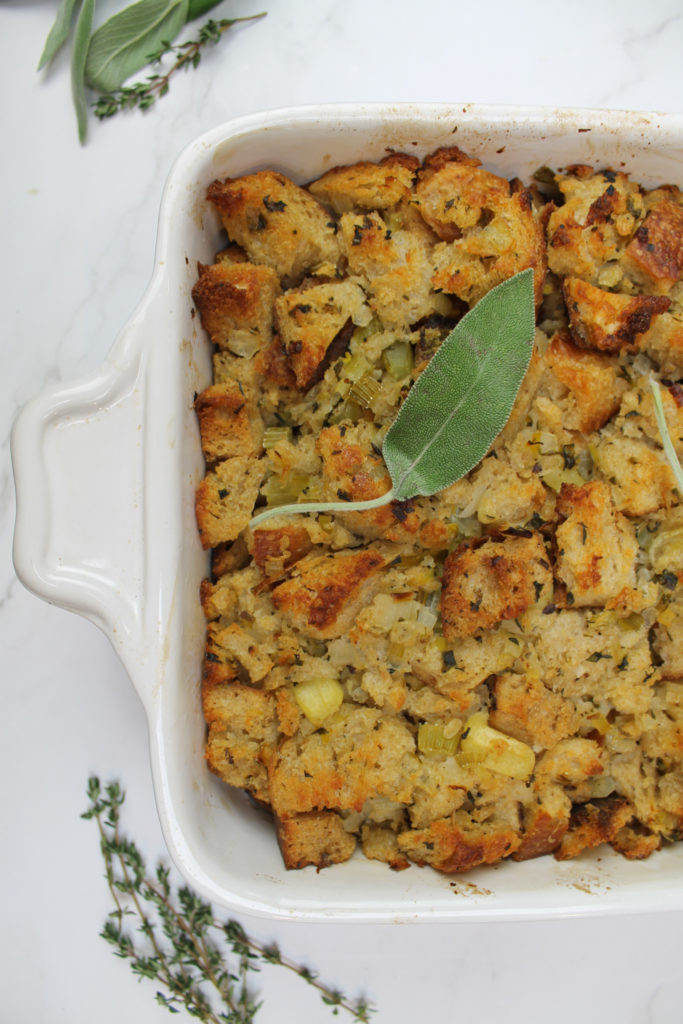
[494, 671]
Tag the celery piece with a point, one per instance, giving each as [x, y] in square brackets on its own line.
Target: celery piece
[435, 738]
[274, 435]
[364, 391]
[398, 359]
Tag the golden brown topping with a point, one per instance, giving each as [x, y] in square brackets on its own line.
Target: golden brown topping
[483, 584]
[235, 304]
[324, 592]
[656, 253]
[276, 222]
[592, 379]
[607, 321]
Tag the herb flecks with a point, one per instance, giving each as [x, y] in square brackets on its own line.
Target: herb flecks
[201, 964]
[143, 94]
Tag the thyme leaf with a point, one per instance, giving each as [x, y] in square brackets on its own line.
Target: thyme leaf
[459, 403]
[202, 965]
[143, 94]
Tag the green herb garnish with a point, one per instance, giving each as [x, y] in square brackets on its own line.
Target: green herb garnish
[140, 35]
[459, 403]
[203, 965]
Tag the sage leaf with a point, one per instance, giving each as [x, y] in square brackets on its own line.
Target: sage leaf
[78, 58]
[59, 33]
[125, 43]
[464, 397]
[458, 405]
[197, 8]
[667, 443]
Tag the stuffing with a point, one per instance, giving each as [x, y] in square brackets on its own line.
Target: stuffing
[367, 186]
[607, 321]
[235, 305]
[493, 671]
[315, 838]
[311, 325]
[277, 223]
[485, 583]
[229, 422]
[596, 546]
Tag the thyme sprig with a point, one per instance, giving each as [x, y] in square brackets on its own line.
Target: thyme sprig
[202, 964]
[145, 93]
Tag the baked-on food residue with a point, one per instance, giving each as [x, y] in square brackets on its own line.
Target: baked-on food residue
[495, 671]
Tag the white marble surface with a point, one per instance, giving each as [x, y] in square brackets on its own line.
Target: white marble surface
[78, 236]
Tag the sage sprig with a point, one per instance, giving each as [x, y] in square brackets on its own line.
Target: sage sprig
[143, 94]
[459, 403]
[202, 965]
[121, 47]
[138, 36]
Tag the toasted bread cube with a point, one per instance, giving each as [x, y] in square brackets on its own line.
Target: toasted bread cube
[592, 379]
[380, 843]
[641, 477]
[393, 265]
[607, 321]
[310, 321]
[455, 193]
[525, 709]
[242, 735]
[276, 222]
[591, 228]
[367, 186]
[456, 844]
[486, 583]
[545, 824]
[511, 241]
[593, 824]
[317, 838]
[325, 592]
[655, 255]
[229, 422]
[275, 549]
[596, 546]
[225, 499]
[235, 304]
[359, 755]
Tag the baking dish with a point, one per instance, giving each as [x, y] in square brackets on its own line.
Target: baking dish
[106, 470]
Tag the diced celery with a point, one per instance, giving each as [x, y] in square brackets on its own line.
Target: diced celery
[364, 391]
[398, 359]
[274, 435]
[279, 491]
[436, 738]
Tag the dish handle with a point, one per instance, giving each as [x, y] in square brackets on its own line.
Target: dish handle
[77, 456]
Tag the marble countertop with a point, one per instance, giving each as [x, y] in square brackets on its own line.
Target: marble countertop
[79, 226]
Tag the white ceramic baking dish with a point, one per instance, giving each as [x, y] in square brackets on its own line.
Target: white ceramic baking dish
[105, 475]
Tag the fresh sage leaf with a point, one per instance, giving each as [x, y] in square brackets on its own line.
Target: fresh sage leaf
[124, 44]
[667, 443]
[59, 33]
[78, 59]
[197, 8]
[459, 403]
[463, 399]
